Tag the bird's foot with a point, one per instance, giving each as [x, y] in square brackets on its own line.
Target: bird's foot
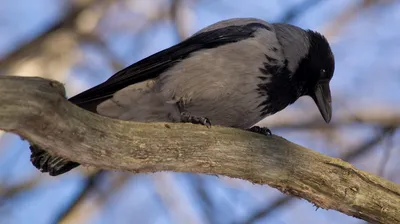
[260, 130]
[186, 117]
[45, 162]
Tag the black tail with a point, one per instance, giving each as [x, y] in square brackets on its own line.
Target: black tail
[45, 162]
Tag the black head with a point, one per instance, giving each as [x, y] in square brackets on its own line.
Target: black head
[314, 73]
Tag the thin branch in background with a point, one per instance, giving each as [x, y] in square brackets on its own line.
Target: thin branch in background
[367, 146]
[81, 208]
[118, 182]
[361, 150]
[386, 154]
[174, 201]
[89, 184]
[198, 184]
[297, 10]
[10, 192]
[282, 201]
[68, 20]
[105, 50]
[336, 26]
[160, 201]
[180, 29]
[150, 18]
[91, 34]
[385, 116]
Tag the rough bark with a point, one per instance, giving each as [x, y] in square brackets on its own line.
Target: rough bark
[36, 109]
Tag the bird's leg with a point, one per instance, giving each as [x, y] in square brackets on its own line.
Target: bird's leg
[186, 117]
[260, 130]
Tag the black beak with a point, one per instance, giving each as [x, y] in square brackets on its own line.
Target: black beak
[322, 97]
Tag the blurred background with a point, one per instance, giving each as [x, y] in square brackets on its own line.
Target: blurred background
[83, 42]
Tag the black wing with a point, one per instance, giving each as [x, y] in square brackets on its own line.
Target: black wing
[152, 66]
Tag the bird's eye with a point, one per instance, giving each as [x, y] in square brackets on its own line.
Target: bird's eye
[323, 74]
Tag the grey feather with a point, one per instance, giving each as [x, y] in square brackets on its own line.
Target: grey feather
[294, 42]
[232, 22]
[218, 83]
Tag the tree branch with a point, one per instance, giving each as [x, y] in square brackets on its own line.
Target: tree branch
[352, 154]
[37, 110]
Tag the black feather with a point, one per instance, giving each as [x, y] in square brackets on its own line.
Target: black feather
[270, 59]
[277, 90]
[319, 57]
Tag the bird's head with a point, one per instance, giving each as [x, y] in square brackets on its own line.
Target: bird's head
[312, 64]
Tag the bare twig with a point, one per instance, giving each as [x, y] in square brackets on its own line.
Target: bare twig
[10, 192]
[89, 186]
[170, 196]
[208, 207]
[180, 29]
[297, 10]
[84, 208]
[378, 117]
[66, 21]
[267, 210]
[386, 154]
[336, 26]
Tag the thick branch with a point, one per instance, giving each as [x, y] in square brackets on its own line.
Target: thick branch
[350, 155]
[36, 109]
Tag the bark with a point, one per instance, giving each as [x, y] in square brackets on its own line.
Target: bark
[36, 109]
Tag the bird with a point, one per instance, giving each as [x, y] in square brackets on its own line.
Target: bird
[233, 73]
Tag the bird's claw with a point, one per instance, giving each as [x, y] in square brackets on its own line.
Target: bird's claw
[188, 118]
[260, 130]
